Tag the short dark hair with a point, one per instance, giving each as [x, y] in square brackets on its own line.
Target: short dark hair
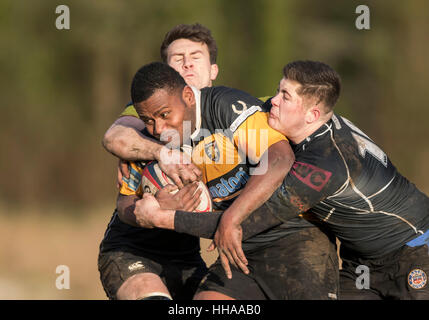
[154, 76]
[194, 32]
[317, 80]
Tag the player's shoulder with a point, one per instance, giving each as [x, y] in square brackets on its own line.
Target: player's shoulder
[227, 104]
[129, 111]
[319, 147]
[265, 98]
[222, 95]
[341, 122]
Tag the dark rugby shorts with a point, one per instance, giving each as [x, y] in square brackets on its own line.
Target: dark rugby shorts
[301, 265]
[181, 277]
[402, 274]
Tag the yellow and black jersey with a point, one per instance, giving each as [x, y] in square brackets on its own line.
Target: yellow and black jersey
[232, 133]
[132, 185]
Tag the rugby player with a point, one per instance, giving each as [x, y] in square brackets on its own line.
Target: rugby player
[340, 178]
[136, 263]
[231, 141]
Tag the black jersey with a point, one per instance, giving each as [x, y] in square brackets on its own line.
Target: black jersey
[341, 177]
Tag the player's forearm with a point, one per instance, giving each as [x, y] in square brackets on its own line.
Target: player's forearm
[199, 224]
[279, 159]
[125, 206]
[204, 225]
[124, 140]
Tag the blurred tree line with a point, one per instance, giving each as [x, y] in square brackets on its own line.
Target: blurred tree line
[61, 89]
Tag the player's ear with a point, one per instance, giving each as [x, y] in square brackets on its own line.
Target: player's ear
[313, 114]
[188, 95]
[214, 70]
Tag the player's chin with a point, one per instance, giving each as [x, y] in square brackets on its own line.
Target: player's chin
[273, 122]
[192, 81]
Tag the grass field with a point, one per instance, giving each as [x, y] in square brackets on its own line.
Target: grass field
[34, 244]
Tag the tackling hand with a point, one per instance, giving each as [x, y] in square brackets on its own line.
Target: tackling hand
[178, 166]
[228, 239]
[146, 211]
[186, 199]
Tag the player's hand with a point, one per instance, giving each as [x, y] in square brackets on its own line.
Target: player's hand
[228, 239]
[178, 166]
[187, 199]
[123, 171]
[146, 211]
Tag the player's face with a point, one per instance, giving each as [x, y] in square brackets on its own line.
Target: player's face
[288, 110]
[192, 60]
[169, 117]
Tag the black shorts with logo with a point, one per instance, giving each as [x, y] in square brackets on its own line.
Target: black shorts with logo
[402, 274]
[181, 277]
[301, 265]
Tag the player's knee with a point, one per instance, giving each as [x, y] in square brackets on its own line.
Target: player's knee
[211, 295]
[141, 286]
[155, 296]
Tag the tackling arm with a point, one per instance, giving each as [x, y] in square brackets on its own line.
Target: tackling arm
[276, 163]
[199, 224]
[204, 225]
[125, 205]
[124, 140]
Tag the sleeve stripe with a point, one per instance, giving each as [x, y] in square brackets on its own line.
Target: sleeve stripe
[243, 116]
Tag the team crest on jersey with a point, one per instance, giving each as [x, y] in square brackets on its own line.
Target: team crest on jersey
[417, 279]
[314, 177]
[212, 151]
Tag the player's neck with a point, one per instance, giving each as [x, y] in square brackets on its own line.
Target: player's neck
[309, 129]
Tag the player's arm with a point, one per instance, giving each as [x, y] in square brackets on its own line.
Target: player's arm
[263, 146]
[279, 158]
[125, 140]
[125, 205]
[199, 224]
[129, 193]
[274, 165]
[275, 156]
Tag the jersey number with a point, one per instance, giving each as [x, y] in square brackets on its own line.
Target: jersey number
[366, 145]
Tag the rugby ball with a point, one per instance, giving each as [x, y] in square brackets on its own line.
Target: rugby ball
[154, 179]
